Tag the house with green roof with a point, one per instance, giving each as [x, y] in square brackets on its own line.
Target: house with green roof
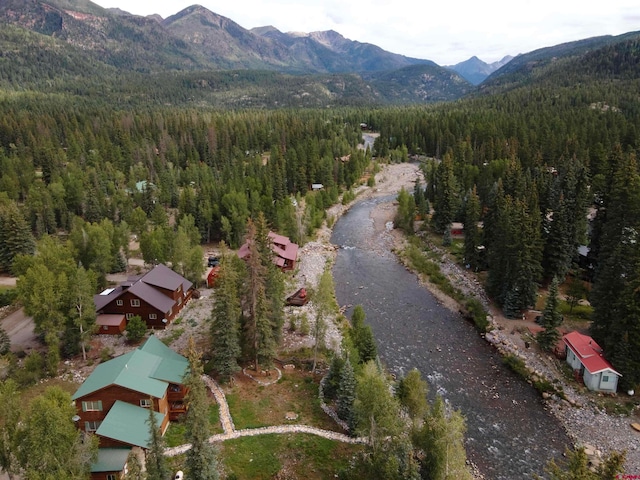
[111, 463]
[113, 401]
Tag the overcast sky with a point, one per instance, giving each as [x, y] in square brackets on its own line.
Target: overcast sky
[444, 31]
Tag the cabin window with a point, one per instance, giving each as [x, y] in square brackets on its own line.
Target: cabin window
[145, 403]
[111, 476]
[92, 406]
[135, 302]
[605, 378]
[129, 316]
[119, 303]
[153, 316]
[92, 426]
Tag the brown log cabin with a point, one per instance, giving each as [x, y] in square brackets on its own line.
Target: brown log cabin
[157, 297]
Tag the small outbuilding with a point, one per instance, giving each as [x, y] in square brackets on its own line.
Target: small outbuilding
[586, 358]
[111, 324]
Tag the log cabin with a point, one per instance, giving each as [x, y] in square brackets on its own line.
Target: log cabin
[113, 401]
[157, 297]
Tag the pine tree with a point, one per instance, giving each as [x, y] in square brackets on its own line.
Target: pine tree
[472, 235]
[420, 199]
[345, 396]
[156, 463]
[134, 468]
[264, 342]
[332, 380]
[260, 330]
[615, 292]
[201, 459]
[551, 319]
[559, 247]
[362, 336]
[15, 235]
[225, 322]
[446, 199]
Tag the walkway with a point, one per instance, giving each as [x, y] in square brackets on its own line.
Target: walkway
[230, 431]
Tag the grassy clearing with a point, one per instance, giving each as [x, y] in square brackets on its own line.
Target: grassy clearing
[253, 405]
[174, 435]
[285, 456]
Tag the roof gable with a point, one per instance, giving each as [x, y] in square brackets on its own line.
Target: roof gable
[152, 296]
[281, 246]
[146, 287]
[162, 276]
[110, 460]
[588, 352]
[148, 370]
[128, 424]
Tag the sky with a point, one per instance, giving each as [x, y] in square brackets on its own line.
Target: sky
[444, 31]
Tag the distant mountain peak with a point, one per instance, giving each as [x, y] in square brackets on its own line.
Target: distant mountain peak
[475, 70]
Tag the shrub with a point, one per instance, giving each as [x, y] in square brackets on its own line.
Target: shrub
[8, 296]
[136, 328]
[516, 364]
[479, 314]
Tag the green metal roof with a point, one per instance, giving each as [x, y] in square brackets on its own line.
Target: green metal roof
[146, 370]
[128, 424]
[110, 460]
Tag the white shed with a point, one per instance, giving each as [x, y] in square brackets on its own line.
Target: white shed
[585, 355]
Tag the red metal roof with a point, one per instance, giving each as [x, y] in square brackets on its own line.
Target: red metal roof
[110, 320]
[282, 247]
[588, 352]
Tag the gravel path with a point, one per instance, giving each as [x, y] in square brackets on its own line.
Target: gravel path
[230, 432]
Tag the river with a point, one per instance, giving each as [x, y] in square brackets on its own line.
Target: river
[510, 434]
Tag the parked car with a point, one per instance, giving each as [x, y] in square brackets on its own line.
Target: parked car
[213, 261]
[179, 475]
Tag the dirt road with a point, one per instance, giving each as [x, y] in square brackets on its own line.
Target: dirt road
[19, 327]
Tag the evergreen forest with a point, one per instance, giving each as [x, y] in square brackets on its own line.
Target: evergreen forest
[536, 164]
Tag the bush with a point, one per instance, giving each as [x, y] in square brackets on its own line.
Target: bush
[136, 328]
[304, 325]
[516, 364]
[8, 296]
[479, 314]
[5, 342]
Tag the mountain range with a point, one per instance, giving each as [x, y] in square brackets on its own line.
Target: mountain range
[77, 39]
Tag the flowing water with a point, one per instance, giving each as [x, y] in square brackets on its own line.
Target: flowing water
[510, 434]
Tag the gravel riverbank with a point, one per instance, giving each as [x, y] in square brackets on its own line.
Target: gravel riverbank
[581, 415]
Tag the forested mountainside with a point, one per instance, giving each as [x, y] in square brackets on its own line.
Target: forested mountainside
[198, 58]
